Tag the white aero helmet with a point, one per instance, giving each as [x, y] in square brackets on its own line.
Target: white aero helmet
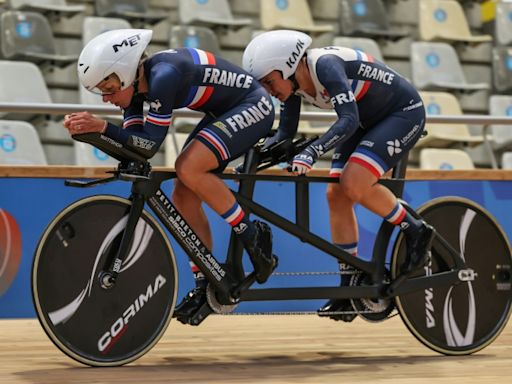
[117, 51]
[275, 50]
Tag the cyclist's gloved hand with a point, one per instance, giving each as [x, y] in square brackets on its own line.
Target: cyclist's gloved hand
[302, 163]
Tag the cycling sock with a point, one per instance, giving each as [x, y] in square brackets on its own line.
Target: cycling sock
[407, 223]
[240, 223]
[352, 249]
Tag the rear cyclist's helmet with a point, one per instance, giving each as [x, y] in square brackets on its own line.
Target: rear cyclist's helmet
[275, 50]
[118, 51]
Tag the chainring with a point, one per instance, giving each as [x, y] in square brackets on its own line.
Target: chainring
[372, 310]
[217, 307]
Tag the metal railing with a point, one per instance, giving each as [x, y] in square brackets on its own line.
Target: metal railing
[61, 109]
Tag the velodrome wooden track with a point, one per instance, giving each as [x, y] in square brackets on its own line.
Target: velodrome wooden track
[261, 349]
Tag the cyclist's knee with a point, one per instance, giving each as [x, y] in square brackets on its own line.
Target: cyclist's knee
[351, 190]
[344, 194]
[336, 197]
[189, 166]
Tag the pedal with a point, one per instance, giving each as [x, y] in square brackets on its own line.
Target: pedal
[201, 314]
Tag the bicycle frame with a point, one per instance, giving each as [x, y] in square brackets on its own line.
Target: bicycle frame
[229, 279]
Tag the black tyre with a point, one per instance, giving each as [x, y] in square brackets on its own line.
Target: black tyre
[466, 317]
[90, 324]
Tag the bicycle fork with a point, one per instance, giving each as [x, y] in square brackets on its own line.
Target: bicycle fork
[108, 276]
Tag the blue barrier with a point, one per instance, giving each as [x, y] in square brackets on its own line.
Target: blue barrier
[33, 202]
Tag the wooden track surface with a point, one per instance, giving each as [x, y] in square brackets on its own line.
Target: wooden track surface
[261, 349]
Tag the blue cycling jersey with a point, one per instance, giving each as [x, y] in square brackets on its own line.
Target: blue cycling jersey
[365, 93]
[196, 79]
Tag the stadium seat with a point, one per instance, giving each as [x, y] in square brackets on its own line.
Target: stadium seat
[501, 105]
[437, 66]
[47, 6]
[445, 135]
[194, 37]
[210, 13]
[403, 12]
[445, 159]
[367, 18]
[87, 155]
[20, 144]
[503, 23]
[506, 160]
[364, 44]
[283, 14]
[132, 10]
[245, 7]
[92, 26]
[28, 36]
[325, 9]
[502, 68]
[173, 143]
[22, 82]
[445, 20]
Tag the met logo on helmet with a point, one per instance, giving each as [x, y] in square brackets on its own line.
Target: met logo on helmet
[128, 42]
[295, 54]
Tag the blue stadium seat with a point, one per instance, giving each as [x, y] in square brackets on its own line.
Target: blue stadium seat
[20, 144]
[210, 13]
[28, 36]
[367, 18]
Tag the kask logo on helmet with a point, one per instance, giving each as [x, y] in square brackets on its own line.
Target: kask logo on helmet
[130, 41]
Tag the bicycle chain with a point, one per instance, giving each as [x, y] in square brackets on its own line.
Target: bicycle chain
[297, 313]
[312, 273]
[304, 313]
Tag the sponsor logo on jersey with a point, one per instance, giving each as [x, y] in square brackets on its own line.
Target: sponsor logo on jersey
[413, 106]
[250, 116]
[223, 128]
[404, 140]
[139, 142]
[155, 105]
[367, 143]
[343, 98]
[227, 78]
[393, 147]
[374, 73]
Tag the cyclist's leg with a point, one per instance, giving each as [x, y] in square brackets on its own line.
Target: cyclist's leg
[343, 224]
[210, 150]
[392, 138]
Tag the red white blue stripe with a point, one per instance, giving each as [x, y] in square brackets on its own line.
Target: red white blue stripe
[397, 214]
[215, 141]
[370, 161]
[133, 120]
[335, 172]
[199, 95]
[350, 248]
[234, 215]
[360, 87]
[157, 119]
